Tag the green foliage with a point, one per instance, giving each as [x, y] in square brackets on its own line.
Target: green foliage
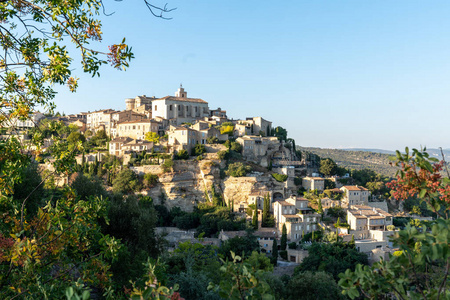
[182, 154]
[336, 212]
[227, 128]
[244, 245]
[126, 182]
[280, 133]
[238, 169]
[279, 177]
[167, 165]
[418, 271]
[292, 245]
[329, 184]
[236, 147]
[328, 167]
[267, 218]
[75, 137]
[255, 219]
[214, 219]
[313, 285]
[274, 257]
[199, 149]
[152, 137]
[283, 238]
[99, 139]
[240, 282]
[212, 140]
[298, 181]
[223, 154]
[150, 180]
[332, 258]
[87, 185]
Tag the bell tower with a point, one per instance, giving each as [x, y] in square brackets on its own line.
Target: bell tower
[181, 93]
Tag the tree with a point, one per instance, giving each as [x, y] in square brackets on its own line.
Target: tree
[420, 269]
[238, 169]
[255, 219]
[313, 285]
[76, 136]
[266, 211]
[152, 137]
[320, 208]
[167, 165]
[150, 180]
[126, 182]
[274, 252]
[199, 149]
[333, 258]
[182, 154]
[240, 282]
[328, 167]
[43, 252]
[280, 133]
[283, 238]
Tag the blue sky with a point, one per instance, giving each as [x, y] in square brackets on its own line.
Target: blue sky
[337, 74]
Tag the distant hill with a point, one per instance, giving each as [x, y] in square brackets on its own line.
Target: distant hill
[358, 159]
[432, 151]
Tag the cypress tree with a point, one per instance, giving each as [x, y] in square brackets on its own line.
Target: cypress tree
[312, 236]
[274, 252]
[266, 211]
[255, 219]
[320, 209]
[283, 238]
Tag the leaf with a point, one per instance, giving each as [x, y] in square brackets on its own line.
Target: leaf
[422, 193]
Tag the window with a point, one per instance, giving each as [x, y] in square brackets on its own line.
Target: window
[156, 107]
[170, 107]
[179, 107]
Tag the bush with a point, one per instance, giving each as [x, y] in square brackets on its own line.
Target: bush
[391, 227]
[238, 169]
[236, 147]
[212, 140]
[126, 182]
[150, 179]
[167, 165]
[199, 149]
[182, 154]
[283, 254]
[292, 245]
[297, 181]
[279, 177]
[224, 154]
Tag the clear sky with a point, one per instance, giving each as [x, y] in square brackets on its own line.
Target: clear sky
[337, 74]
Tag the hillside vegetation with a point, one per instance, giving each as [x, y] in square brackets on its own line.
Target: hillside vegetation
[358, 160]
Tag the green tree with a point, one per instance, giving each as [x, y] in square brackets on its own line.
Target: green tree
[266, 211]
[274, 252]
[199, 149]
[328, 167]
[76, 136]
[283, 238]
[280, 133]
[313, 285]
[152, 137]
[167, 165]
[182, 154]
[240, 282]
[255, 219]
[86, 186]
[238, 169]
[126, 182]
[244, 245]
[333, 258]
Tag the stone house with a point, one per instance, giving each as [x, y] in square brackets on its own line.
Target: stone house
[296, 215]
[115, 145]
[257, 126]
[361, 217]
[137, 146]
[180, 109]
[32, 121]
[99, 120]
[355, 195]
[137, 129]
[182, 138]
[120, 117]
[313, 183]
[218, 113]
[258, 149]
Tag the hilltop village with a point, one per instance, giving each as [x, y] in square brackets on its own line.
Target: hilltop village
[193, 154]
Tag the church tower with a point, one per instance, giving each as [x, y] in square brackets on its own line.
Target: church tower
[181, 93]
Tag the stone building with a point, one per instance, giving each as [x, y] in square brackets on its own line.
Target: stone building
[137, 129]
[313, 183]
[355, 195]
[296, 215]
[180, 109]
[115, 145]
[99, 120]
[258, 149]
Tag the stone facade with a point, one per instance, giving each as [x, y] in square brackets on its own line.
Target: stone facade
[313, 183]
[258, 149]
[355, 195]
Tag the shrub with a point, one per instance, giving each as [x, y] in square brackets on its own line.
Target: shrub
[391, 227]
[292, 245]
[212, 140]
[235, 146]
[297, 181]
[279, 177]
[238, 169]
[283, 254]
[224, 154]
[167, 165]
[199, 149]
[182, 154]
[150, 179]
